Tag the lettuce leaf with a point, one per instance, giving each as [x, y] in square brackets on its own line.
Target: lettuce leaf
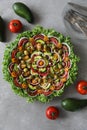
[7, 59]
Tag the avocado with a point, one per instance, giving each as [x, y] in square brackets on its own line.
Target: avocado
[72, 104]
[42, 69]
[22, 10]
[31, 87]
[40, 41]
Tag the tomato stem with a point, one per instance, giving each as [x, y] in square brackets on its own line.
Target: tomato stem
[85, 87]
[15, 24]
[53, 114]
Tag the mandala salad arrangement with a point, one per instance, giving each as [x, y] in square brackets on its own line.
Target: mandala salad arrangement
[39, 64]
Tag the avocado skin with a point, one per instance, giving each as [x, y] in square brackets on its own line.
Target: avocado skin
[22, 10]
[72, 104]
[2, 30]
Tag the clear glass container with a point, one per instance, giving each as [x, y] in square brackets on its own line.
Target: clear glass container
[72, 29]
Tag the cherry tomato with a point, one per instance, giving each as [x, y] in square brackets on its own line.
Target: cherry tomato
[15, 26]
[52, 113]
[82, 87]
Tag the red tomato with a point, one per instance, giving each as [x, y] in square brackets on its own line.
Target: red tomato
[16, 82]
[82, 87]
[52, 113]
[13, 54]
[15, 26]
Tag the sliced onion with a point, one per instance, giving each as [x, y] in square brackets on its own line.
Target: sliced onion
[36, 54]
[39, 36]
[11, 67]
[65, 54]
[47, 92]
[68, 64]
[44, 86]
[58, 85]
[65, 74]
[54, 40]
[22, 41]
[32, 93]
[17, 83]
[67, 47]
[64, 64]
[14, 52]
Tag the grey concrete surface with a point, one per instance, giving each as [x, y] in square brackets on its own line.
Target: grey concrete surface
[15, 112]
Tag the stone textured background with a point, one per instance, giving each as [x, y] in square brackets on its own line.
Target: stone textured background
[15, 112]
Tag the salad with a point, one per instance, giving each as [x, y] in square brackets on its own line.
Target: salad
[39, 64]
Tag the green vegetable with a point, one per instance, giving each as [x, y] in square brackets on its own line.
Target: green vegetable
[31, 87]
[2, 30]
[19, 54]
[40, 41]
[42, 69]
[16, 67]
[21, 79]
[47, 87]
[72, 104]
[22, 10]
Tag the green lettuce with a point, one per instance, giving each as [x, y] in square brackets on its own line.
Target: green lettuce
[7, 59]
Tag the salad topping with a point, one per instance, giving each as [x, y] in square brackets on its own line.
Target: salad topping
[40, 64]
